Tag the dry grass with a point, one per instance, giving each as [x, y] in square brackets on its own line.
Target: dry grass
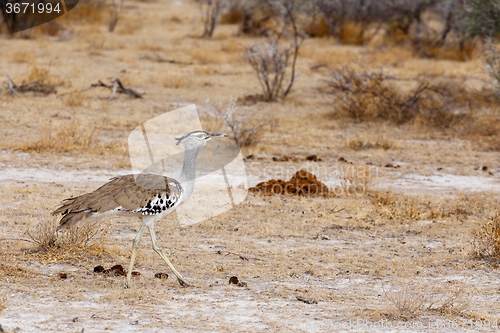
[486, 241]
[400, 207]
[74, 99]
[175, 82]
[82, 236]
[22, 57]
[411, 298]
[70, 137]
[363, 143]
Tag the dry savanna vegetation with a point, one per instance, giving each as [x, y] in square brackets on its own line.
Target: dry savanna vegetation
[392, 108]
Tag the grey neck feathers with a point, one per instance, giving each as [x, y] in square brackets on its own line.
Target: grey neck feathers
[188, 173]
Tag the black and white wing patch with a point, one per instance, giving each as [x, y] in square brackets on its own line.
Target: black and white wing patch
[158, 204]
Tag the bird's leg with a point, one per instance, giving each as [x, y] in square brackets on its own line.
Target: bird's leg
[135, 245]
[158, 250]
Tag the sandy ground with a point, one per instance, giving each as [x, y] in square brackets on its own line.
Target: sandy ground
[412, 224]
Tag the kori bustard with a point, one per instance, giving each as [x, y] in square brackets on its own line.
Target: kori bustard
[147, 196]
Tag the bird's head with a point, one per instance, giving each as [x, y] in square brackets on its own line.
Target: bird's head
[197, 139]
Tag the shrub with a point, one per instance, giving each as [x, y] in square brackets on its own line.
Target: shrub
[270, 61]
[367, 96]
[481, 18]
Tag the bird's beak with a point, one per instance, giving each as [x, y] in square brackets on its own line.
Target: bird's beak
[218, 136]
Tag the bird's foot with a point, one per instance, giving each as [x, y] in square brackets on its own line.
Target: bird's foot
[184, 283]
[127, 285]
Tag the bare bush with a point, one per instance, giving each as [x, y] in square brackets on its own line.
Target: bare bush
[210, 11]
[269, 61]
[486, 241]
[244, 130]
[84, 235]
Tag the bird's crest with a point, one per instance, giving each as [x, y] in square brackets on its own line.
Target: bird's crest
[179, 140]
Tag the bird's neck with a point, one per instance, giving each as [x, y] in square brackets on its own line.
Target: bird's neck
[188, 173]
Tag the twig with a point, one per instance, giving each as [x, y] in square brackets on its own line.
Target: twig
[236, 254]
[12, 85]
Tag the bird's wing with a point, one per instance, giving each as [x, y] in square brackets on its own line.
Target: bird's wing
[130, 192]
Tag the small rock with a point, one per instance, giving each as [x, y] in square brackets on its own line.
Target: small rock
[99, 269]
[324, 237]
[233, 280]
[161, 276]
[242, 284]
[485, 168]
[63, 275]
[74, 319]
[135, 273]
[307, 300]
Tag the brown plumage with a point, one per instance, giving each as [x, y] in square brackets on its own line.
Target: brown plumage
[124, 192]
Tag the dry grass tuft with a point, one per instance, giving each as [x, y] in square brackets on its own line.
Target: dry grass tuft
[407, 299]
[74, 99]
[401, 207]
[486, 241]
[410, 299]
[175, 82]
[70, 137]
[82, 236]
[22, 57]
[360, 143]
[39, 74]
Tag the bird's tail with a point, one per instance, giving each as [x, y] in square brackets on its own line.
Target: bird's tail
[72, 218]
[71, 213]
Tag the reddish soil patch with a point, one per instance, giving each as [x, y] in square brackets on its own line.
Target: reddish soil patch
[302, 183]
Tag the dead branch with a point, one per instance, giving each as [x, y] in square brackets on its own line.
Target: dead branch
[36, 86]
[11, 86]
[116, 87]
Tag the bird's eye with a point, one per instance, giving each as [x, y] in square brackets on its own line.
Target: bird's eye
[200, 136]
